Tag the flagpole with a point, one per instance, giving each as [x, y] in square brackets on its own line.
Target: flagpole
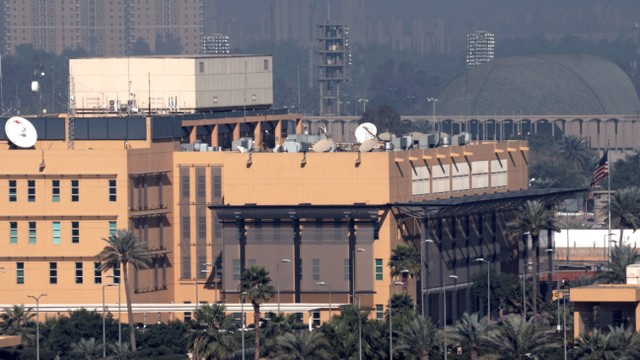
[608, 207]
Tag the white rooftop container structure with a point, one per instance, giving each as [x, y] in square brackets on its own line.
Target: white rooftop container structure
[172, 83]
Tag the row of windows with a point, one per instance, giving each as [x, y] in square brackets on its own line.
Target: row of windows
[78, 273]
[315, 269]
[55, 229]
[55, 190]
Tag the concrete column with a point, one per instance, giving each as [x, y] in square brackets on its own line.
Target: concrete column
[278, 132]
[578, 323]
[257, 135]
[298, 126]
[193, 134]
[214, 136]
[236, 132]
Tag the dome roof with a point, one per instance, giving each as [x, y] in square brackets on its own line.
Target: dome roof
[541, 85]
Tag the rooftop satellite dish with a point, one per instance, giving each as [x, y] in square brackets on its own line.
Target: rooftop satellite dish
[242, 149]
[324, 146]
[386, 136]
[21, 132]
[365, 131]
[368, 145]
[415, 136]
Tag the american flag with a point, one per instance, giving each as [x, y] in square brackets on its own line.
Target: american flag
[602, 169]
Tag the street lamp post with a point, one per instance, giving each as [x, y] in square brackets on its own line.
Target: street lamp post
[353, 272]
[391, 320]
[364, 102]
[284, 261]
[434, 101]
[242, 319]
[104, 324]
[524, 279]
[444, 328]
[116, 279]
[483, 260]
[322, 283]
[359, 330]
[202, 271]
[37, 299]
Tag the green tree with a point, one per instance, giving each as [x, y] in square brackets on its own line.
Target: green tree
[256, 284]
[342, 332]
[386, 119]
[163, 339]
[124, 249]
[470, 333]
[625, 209]
[515, 338]
[418, 339]
[18, 321]
[576, 151]
[621, 257]
[404, 261]
[613, 344]
[87, 349]
[211, 337]
[303, 345]
[534, 217]
[120, 351]
[276, 326]
[626, 170]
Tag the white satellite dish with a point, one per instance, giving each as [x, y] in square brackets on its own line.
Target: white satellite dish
[386, 136]
[21, 132]
[365, 131]
[368, 145]
[324, 146]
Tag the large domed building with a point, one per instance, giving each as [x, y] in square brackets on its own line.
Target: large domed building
[541, 85]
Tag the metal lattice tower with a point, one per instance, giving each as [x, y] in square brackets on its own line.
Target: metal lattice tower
[71, 115]
[334, 61]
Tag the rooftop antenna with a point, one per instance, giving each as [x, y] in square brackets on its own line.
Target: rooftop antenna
[328, 11]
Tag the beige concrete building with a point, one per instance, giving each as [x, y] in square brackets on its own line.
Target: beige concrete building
[60, 203]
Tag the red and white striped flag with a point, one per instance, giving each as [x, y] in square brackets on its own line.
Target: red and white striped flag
[602, 169]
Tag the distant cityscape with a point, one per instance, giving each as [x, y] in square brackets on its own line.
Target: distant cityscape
[104, 29]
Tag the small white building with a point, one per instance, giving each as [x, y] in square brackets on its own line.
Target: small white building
[171, 84]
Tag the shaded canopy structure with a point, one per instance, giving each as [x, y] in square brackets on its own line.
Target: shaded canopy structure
[541, 85]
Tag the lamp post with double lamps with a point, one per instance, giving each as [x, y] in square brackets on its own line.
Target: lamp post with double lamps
[434, 101]
[353, 272]
[284, 261]
[37, 300]
[359, 330]
[444, 328]
[322, 283]
[391, 318]
[483, 260]
[116, 279]
[104, 323]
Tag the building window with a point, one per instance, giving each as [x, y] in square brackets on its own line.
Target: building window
[236, 269]
[13, 232]
[97, 273]
[31, 190]
[78, 273]
[13, 192]
[112, 190]
[346, 271]
[316, 318]
[116, 274]
[75, 190]
[20, 273]
[187, 314]
[379, 269]
[32, 232]
[315, 269]
[55, 190]
[379, 311]
[266, 65]
[75, 232]
[201, 67]
[112, 228]
[53, 273]
[56, 232]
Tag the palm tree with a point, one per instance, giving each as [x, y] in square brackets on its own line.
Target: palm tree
[276, 326]
[418, 338]
[534, 217]
[212, 337]
[625, 209]
[575, 150]
[120, 351]
[621, 257]
[516, 338]
[87, 348]
[256, 284]
[470, 333]
[405, 261]
[18, 321]
[121, 250]
[302, 345]
[616, 343]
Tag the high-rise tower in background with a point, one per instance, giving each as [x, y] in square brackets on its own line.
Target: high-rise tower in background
[216, 44]
[480, 47]
[104, 28]
[333, 61]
